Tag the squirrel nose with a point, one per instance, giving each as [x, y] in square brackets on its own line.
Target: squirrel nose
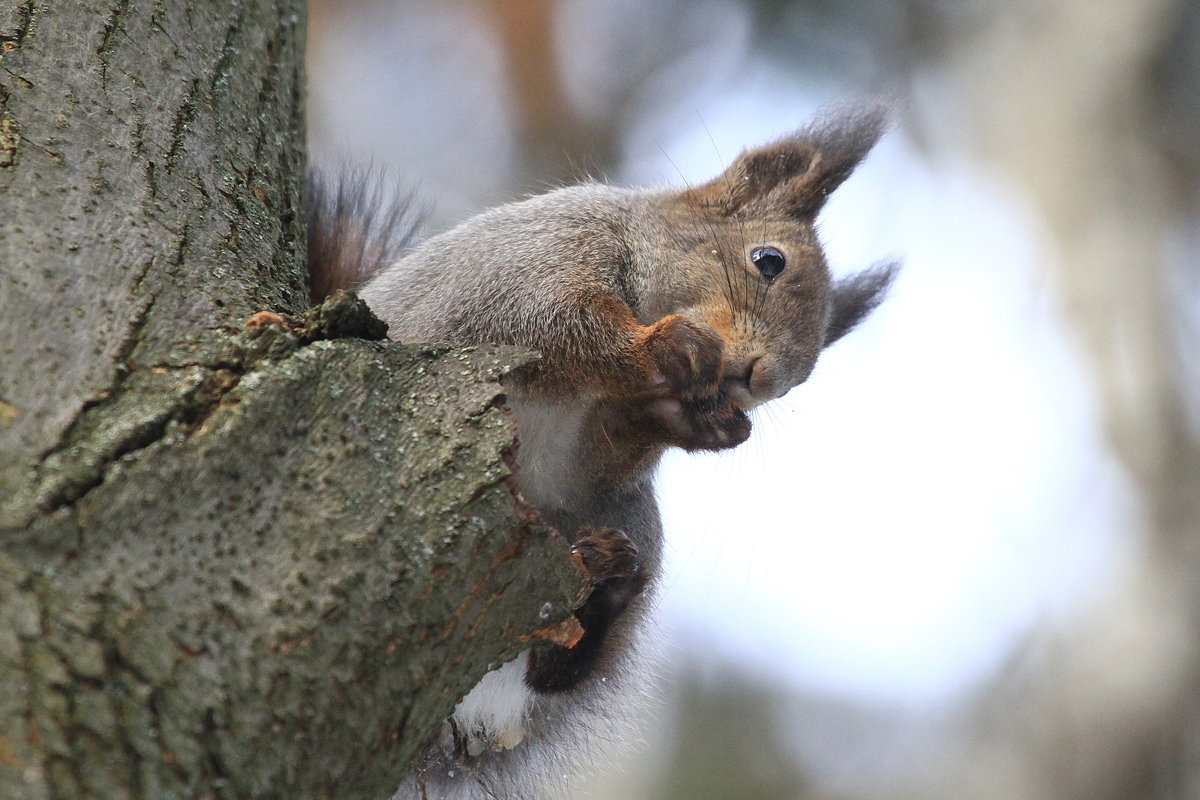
[753, 382]
[741, 374]
[739, 381]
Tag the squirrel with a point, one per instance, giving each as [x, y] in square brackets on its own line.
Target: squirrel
[662, 316]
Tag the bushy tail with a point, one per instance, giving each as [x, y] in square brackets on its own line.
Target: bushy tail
[359, 222]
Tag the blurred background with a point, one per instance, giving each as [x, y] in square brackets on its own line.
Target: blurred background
[963, 560]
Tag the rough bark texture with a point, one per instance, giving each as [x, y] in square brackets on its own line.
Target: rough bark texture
[236, 562]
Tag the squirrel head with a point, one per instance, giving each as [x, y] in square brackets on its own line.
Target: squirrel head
[741, 255]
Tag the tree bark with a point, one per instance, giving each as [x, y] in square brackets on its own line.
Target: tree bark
[237, 562]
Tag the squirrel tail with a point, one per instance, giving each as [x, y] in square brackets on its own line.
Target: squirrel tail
[359, 222]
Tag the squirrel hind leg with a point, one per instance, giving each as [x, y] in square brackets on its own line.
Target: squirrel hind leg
[612, 562]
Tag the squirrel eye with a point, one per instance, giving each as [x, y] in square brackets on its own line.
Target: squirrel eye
[770, 262]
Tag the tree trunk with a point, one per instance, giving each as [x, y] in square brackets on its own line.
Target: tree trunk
[236, 561]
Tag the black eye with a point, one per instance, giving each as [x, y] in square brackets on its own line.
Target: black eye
[770, 262]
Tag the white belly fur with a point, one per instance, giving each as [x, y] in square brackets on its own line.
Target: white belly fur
[549, 469]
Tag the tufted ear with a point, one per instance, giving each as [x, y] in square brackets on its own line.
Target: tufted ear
[854, 297]
[794, 175]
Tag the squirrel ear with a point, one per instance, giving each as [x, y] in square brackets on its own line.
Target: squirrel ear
[854, 297]
[794, 175]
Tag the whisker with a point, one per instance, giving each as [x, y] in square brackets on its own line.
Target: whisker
[712, 231]
[738, 217]
[755, 283]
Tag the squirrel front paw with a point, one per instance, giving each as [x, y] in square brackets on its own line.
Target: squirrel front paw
[687, 357]
[706, 424]
[685, 391]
